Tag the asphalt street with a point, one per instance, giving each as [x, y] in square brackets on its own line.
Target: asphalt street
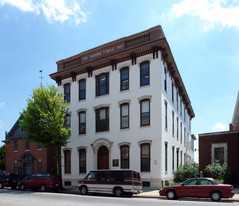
[30, 198]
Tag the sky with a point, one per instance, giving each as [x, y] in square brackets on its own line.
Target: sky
[203, 36]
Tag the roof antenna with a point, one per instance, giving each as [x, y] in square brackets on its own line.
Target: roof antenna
[41, 77]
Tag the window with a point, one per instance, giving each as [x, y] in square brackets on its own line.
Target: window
[144, 74]
[27, 146]
[205, 182]
[177, 128]
[67, 92]
[165, 79]
[219, 154]
[181, 107]
[181, 132]
[124, 79]
[177, 100]
[173, 158]
[67, 160]
[68, 121]
[82, 89]
[166, 115]
[181, 158]
[191, 182]
[82, 122]
[172, 92]
[82, 161]
[177, 158]
[144, 112]
[173, 123]
[124, 157]
[102, 119]
[39, 146]
[185, 133]
[145, 157]
[102, 84]
[124, 116]
[15, 146]
[166, 157]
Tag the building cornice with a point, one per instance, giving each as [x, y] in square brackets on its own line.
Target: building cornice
[151, 41]
[218, 133]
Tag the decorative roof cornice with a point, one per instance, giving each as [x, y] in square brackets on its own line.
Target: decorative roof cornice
[127, 48]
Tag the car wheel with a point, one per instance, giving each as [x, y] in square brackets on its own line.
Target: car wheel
[83, 190]
[22, 187]
[118, 192]
[43, 188]
[1, 185]
[216, 196]
[171, 195]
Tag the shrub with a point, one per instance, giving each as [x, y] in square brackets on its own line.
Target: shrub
[218, 171]
[189, 170]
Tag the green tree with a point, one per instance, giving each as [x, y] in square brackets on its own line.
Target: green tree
[2, 158]
[44, 119]
[188, 170]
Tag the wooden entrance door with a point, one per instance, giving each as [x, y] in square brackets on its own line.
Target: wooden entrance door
[103, 158]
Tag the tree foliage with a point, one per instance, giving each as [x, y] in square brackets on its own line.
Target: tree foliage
[218, 171]
[188, 170]
[44, 118]
[2, 158]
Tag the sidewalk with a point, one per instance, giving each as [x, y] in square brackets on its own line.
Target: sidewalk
[151, 193]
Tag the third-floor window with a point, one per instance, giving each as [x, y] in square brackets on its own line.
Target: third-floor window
[82, 89]
[124, 79]
[144, 74]
[67, 92]
[102, 84]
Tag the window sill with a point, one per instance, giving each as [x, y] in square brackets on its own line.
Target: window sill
[124, 129]
[82, 135]
[145, 126]
[99, 132]
[103, 95]
[144, 86]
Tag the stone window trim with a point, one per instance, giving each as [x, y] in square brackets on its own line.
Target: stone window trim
[146, 97]
[126, 101]
[124, 143]
[101, 106]
[218, 145]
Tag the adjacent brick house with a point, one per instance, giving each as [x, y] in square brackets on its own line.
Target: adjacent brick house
[222, 146]
[25, 158]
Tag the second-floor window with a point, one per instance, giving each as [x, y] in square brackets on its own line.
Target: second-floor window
[144, 74]
[67, 92]
[102, 84]
[68, 121]
[124, 116]
[124, 79]
[144, 112]
[82, 89]
[82, 122]
[102, 119]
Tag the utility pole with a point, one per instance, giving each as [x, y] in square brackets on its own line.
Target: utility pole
[41, 76]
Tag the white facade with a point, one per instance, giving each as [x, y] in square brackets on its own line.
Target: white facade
[161, 138]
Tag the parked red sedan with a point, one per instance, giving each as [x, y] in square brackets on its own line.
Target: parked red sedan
[198, 187]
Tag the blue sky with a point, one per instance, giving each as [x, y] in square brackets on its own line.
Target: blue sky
[203, 36]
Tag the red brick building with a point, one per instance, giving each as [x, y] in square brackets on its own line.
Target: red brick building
[25, 158]
[222, 146]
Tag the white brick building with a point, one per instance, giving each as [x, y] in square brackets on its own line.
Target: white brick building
[128, 109]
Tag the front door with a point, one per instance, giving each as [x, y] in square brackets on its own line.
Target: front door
[103, 158]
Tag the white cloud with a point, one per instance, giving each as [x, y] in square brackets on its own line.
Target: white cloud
[2, 104]
[224, 13]
[60, 10]
[219, 127]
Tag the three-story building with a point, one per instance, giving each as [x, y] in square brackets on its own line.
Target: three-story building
[128, 109]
